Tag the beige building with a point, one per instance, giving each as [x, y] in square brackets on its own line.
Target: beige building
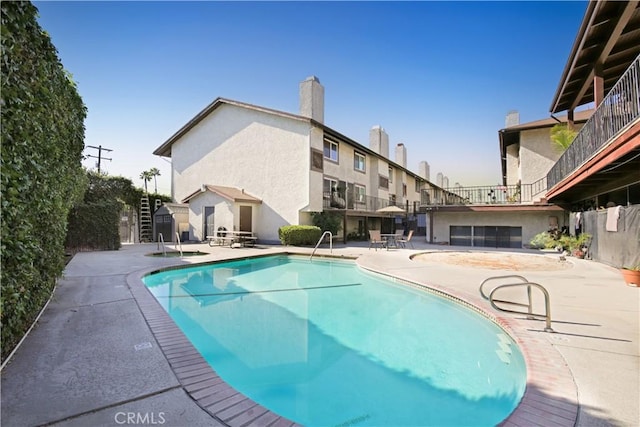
[250, 168]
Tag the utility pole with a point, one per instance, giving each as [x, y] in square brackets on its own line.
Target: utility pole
[100, 149]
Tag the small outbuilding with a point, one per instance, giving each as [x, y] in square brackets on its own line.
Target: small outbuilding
[169, 219]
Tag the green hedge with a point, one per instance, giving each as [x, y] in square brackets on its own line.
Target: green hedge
[95, 226]
[299, 234]
[42, 132]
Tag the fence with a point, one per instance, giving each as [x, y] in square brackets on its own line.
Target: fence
[616, 248]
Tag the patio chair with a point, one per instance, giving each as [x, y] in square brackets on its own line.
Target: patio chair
[403, 241]
[375, 240]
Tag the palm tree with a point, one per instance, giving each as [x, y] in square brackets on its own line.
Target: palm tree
[562, 136]
[146, 176]
[155, 172]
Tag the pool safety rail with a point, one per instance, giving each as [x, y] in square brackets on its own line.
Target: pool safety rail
[161, 240]
[320, 241]
[164, 248]
[521, 282]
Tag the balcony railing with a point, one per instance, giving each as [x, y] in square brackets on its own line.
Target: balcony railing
[347, 200]
[486, 195]
[619, 108]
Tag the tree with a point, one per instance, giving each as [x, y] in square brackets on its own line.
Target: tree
[146, 176]
[562, 136]
[155, 172]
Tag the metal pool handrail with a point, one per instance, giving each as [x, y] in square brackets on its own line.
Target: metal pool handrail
[524, 282]
[179, 243]
[320, 241]
[161, 240]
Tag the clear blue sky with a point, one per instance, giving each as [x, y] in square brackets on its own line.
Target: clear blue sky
[438, 76]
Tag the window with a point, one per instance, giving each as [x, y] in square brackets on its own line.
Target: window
[358, 161]
[383, 181]
[331, 150]
[329, 185]
[418, 185]
[404, 190]
[390, 174]
[360, 193]
[316, 160]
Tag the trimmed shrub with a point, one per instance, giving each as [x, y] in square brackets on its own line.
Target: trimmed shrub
[299, 234]
[42, 132]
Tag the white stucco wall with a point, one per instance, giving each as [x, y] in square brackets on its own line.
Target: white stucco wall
[532, 223]
[223, 214]
[537, 154]
[343, 170]
[266, 155]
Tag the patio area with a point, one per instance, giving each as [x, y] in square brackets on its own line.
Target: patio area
[93, 359]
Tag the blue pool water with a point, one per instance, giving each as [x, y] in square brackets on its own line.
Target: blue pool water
[327, 344]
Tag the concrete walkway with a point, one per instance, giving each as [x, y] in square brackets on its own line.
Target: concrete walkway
[92, 359]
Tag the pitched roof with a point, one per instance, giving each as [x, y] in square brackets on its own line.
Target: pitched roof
[578, 117]
[165, 149]
[230, 193]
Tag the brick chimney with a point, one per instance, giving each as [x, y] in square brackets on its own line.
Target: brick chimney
[312, 99]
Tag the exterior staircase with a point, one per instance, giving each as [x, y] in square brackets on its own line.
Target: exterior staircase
[146, 226]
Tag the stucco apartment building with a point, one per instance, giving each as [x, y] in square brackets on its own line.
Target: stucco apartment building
[250, 168]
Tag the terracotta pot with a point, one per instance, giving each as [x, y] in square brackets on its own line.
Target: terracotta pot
[631, 277]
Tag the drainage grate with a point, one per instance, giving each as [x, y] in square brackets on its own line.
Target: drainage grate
[142, 346]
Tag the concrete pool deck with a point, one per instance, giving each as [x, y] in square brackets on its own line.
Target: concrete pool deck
[93, 359]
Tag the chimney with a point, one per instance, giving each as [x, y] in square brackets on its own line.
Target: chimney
[445, 182]
[424, 171]
[512, 119]
[312, 99]
[439, 179]
[379, 141]
[401, 155]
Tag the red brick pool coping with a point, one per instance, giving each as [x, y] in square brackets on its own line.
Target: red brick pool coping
[550, 398]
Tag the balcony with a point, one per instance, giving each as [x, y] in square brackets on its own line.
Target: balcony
[344, 200]
[619, 109]
[485, 195]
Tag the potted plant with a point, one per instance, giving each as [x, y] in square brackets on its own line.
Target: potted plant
[576, 245]
[631, 275]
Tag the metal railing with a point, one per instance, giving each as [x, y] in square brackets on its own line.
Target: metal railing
[179, 242]
[161, 240]
[345, 200]
[487, 194]
[619, 108]
[320, 241]
[523, 282]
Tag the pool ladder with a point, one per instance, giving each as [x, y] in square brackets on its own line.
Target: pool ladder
[320, 241]
[522, 282]
[164, 248]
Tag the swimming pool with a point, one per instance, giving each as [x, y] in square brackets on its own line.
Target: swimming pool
[326, 343]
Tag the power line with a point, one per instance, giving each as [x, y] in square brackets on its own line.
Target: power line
[100, 149]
